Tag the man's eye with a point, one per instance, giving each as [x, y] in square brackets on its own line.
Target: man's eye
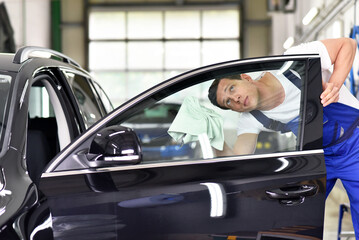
[231, 88]
[228, 102]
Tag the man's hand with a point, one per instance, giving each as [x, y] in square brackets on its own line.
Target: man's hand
[330, 94]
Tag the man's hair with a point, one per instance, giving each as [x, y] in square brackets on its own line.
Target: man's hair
[212, 91]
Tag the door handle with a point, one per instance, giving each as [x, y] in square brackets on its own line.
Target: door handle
[292, 195]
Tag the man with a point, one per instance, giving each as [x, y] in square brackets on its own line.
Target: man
[341, 112]
[273, 95]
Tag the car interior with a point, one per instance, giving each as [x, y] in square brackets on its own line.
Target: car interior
[46, 124]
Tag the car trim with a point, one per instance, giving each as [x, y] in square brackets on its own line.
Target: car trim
[180, 163]
[146, 125]
[52, 166]
[28, 52]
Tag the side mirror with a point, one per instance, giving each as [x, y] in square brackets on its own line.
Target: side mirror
[115, 145]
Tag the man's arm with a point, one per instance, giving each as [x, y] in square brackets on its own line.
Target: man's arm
[341, 52]
[245, 144]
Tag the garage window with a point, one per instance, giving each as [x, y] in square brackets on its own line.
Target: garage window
[131, 50]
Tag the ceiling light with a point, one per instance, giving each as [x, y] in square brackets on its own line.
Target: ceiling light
[313, 12]
[288, 43]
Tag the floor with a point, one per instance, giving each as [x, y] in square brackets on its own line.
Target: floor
[337, 197]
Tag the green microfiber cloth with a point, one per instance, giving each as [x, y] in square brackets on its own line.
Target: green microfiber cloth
[193, 120]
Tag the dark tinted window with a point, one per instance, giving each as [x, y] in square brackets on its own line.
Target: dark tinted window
[86, 98]
[4, 93]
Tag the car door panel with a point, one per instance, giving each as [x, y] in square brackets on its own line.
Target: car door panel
[263, 196]
[170, 202]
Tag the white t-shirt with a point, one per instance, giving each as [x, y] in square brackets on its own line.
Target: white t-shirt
[285, 112]
[289, 109]
[317, 47]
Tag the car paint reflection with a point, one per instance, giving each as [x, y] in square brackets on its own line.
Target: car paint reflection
[152, 201]
[218, 199]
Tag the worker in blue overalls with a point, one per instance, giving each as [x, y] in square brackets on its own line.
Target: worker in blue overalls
[340, 120]
[341, 117]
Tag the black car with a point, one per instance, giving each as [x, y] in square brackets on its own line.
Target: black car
[90, 179]
[46, 102]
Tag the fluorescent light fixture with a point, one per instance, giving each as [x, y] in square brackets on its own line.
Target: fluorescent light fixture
[288, 43]
[337, 29]
[313, 12]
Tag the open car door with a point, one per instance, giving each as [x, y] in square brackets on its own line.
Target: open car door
[127, 178]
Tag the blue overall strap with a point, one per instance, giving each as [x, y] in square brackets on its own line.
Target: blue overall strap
[293, 78]
[274, 124]
[269, 123]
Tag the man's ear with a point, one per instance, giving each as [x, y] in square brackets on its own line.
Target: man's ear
[246, 77]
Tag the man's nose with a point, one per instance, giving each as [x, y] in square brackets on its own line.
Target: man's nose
[235, 97]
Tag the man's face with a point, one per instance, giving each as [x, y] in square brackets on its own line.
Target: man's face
[238, 95]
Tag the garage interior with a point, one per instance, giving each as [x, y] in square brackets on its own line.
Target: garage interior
[178, 35]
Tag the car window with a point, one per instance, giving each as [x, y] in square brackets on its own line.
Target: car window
[187, 125]
[85, 97]
[5, 82]
[104, 98]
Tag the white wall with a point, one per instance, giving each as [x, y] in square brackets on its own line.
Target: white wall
[286, 25]
[31, 21]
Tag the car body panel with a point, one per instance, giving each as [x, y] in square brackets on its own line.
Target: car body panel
[170, 202]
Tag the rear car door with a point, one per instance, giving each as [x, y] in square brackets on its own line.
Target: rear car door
[126, 177]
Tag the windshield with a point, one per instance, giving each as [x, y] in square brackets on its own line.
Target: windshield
[4, 93]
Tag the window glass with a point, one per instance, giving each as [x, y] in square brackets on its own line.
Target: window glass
[5, 81]
[114, 84]
[145, 55]
[182, 24]
[107, 25]
[145, 25]
[170, 74]
[185, 125]
[107, 55]
[141, 80]
[219, 51]
[104, 98]
[121, 86]
[85, 97]
[40, 103]
[183, 55]
[168, 40]
[219, 24]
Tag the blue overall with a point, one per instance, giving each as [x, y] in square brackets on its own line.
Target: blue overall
[341, 151]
